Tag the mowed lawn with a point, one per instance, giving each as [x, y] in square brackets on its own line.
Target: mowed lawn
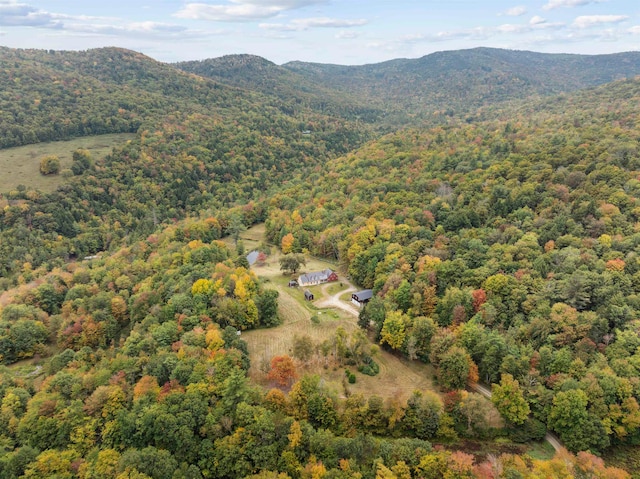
[398, 377]
[21, 165]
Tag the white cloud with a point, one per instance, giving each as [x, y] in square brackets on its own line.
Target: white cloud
[13, 14]
[567, 3]
[324, 22]
[227, 13]
[20, 14]
[537, 20]
[316, 22]
[512, 28]
[347, 35]
[284, 4]
[586, 21]
[280, 27]
[146, 29]
[635, 30]
[533, 27]
[242, 10]
[516, 11]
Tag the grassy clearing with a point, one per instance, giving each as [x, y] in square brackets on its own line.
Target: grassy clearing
[346, 296]
[540, 450]
[23, 367]
[21, 165]
[398, 377]
[334, 288]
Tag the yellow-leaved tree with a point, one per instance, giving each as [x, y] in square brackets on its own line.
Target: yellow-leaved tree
[287, 243]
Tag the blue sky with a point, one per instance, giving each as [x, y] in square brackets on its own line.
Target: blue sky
[328, 31]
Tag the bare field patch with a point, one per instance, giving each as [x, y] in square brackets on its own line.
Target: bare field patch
[21, 165]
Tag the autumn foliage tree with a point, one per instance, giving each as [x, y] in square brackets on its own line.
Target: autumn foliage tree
[50, 165]
[282, 371]
[509, 400]
[291, 263]
[287, 243]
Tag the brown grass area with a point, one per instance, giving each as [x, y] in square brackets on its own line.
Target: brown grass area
[7, 296]
[21, 165]
[398, 377]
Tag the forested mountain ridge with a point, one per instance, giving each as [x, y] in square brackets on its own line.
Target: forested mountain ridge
[502, 246]
[256, 73]
[201, 145]
[456, 81]
[52, 95]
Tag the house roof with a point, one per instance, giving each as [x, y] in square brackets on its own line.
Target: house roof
[363, 295]
[315, 277]
[253, 257]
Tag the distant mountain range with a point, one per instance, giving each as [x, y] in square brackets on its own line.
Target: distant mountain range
[51, 95]
[444, 82]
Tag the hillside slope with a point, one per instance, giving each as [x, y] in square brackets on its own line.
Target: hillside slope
[255, 73]
[517, 237]
[200, 145]
[52, 95]
[427, 89]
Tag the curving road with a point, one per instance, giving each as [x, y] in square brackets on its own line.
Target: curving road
[335, 301]
[549, 437]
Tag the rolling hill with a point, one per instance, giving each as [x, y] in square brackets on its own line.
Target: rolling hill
[52, 95]
[256, 73]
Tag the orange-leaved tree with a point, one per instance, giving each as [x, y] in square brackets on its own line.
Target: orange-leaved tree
[282, 371]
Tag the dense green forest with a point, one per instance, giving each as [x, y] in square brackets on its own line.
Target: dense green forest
[256, 73]
[500, 238]
[201, 146]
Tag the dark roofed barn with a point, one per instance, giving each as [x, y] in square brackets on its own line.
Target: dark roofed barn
[362, 297]
[308, 295]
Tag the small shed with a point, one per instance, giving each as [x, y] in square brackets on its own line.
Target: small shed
[253, 257]
[308, 295]
[362, 297]
[293, 283]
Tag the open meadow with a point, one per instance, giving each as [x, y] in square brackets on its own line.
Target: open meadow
[21, 165]
[398, 377]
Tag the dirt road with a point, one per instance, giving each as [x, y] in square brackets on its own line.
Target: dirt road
[335, 301]
[550, 438]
